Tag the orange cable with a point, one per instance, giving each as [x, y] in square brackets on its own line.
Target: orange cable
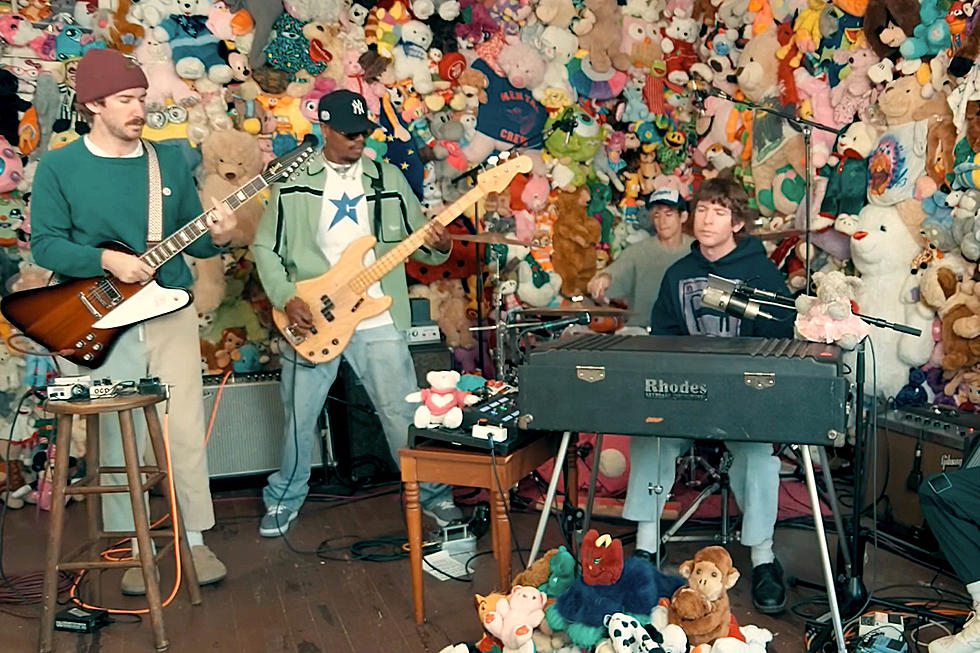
[214, 408]
[112, 549]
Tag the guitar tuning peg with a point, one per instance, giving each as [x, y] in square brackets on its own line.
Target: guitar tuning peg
[505, 155]
[494, 160]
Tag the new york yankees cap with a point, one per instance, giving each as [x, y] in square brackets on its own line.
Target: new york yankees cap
[345, 111]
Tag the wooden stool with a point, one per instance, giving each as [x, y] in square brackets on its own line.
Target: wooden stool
[434, 464]
[123, 406]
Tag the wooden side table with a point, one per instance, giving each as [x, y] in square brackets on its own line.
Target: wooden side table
[469, 468]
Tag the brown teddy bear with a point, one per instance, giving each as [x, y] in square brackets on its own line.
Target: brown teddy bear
[701, 607]
[574, 235]
[229, 158]
[958, 306]
[603, 40]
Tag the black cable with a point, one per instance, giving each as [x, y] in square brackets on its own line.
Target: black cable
[3, 511]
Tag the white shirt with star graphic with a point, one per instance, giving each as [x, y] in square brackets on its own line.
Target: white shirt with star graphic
[343, 219]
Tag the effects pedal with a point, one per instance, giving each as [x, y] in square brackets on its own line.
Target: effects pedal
[67, 388]
[81, 620]
[150, 385]
[882, 643]
[101, 388]
[892, 625]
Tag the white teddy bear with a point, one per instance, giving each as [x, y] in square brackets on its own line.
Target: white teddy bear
[442, 402]
[411, 60]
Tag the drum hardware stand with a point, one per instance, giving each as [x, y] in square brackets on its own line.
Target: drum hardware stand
[720, 484]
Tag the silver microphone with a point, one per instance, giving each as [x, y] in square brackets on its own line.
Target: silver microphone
[733, 303]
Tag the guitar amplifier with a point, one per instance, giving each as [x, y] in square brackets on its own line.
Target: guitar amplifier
[944, 436]
[248, 428]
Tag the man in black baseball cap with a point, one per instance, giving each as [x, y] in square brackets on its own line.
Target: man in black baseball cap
[345, 123]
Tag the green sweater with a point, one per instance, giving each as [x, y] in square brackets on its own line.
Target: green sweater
[80, 200]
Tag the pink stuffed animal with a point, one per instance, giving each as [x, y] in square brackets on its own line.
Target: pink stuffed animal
[154, 57]
[855, 91]
[442, 402]
[828, 316]
[515, 617]
[535, 199]
[816, 91]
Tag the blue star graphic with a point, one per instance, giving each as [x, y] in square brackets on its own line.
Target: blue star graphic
[346, 208]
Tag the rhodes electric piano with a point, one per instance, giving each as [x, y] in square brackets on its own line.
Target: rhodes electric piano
[765, 390]
[689, 386]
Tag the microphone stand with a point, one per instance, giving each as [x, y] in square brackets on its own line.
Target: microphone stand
[849, 580]
[801, 125]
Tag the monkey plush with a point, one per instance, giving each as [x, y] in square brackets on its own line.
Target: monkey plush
[701, 607]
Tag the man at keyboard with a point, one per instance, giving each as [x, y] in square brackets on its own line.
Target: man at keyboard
[722, 247]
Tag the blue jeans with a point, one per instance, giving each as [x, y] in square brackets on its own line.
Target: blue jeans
[382, 362]
[754, 478]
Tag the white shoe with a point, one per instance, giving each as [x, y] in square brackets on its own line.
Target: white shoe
[965, 641]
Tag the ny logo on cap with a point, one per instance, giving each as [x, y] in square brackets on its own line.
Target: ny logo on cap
[357, 106]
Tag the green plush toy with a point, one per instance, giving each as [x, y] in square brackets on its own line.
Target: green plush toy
[572, 138]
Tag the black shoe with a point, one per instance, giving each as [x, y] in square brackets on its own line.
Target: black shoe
[643, 554]
[768, 588]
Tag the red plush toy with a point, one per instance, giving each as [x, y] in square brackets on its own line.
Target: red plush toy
[602, 559]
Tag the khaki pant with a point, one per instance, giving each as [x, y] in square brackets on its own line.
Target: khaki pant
[167, 347]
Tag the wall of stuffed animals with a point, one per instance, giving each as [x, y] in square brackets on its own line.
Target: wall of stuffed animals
[597, 91]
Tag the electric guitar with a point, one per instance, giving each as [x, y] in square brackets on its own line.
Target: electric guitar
[338, 298]
[81, 319]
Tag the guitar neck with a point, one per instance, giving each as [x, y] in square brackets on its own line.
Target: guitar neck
[393, 257]
[174, 244]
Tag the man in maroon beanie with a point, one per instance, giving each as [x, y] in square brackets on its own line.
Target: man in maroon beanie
[96, 189]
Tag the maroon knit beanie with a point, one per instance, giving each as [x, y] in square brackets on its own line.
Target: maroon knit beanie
[103, 72]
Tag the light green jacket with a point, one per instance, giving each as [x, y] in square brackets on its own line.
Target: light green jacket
[286, 250]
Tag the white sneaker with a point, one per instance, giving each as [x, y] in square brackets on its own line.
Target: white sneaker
[965, 641]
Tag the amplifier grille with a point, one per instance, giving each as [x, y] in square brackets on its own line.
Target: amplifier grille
[248, 429]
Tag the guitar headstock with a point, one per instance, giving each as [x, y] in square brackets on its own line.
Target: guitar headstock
[498, 178]
[289, 163]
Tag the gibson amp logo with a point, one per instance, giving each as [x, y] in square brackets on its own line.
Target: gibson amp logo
[661, 389]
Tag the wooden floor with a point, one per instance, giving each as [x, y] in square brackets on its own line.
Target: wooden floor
[278, 600]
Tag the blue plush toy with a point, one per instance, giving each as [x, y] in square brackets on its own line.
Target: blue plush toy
[195, 48]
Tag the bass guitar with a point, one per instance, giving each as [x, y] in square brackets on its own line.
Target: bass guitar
[338, 298]
[81, 319]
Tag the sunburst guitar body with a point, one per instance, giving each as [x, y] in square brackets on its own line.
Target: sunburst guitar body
[339, 298]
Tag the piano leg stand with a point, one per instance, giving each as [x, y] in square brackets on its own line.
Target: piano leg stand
[550, 496]
[828, 573]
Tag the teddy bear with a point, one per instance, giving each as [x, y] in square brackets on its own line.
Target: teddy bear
[881, 248]
[931, 34]
[958, 305]
[558, 46]
[164, 83]
[511, 116]
[899, 157]
[828, 316]
[677, 44]
[775, 147]
[195, 48]
[230, 158]
[854, 92]
[447, 306]
[602, 41]
[410, 55]
[701, 607]
[442, 403]
[847, 175]
[574, 238]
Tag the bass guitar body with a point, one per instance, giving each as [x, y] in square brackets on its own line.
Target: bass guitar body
[336, 305]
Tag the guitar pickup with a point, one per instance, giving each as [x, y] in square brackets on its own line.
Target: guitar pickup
[327, 310]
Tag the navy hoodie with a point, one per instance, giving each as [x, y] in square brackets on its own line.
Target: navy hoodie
[678, 310]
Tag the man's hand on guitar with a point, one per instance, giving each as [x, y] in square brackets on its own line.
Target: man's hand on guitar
[221, 222]
[438, 237]
[298, 312]
[125, 267]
